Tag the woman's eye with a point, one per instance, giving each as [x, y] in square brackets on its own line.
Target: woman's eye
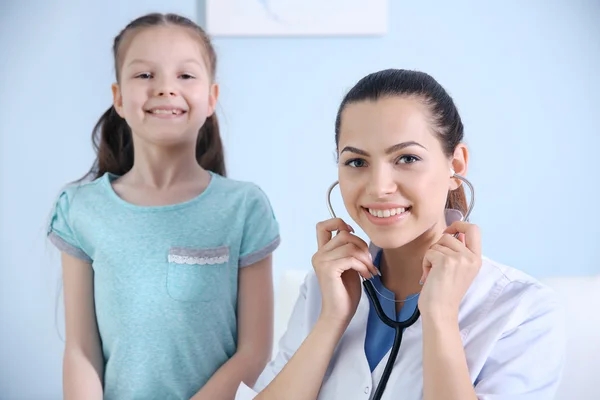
[187, 76]
[408, 159]
[356, 163]
[144, 76]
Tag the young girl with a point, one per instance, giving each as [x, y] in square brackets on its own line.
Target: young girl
[485, 331]
[166, 263]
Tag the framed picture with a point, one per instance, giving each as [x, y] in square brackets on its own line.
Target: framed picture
[296, 17]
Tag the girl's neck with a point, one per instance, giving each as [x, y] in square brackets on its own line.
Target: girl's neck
[161, 177]
[160, 168]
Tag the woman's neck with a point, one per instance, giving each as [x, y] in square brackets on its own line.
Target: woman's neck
[402, 268]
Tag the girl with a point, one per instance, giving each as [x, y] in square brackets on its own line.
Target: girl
[166, 263]
[485, 330]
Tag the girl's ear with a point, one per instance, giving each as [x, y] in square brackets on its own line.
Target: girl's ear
[213, 97]
[117, 99]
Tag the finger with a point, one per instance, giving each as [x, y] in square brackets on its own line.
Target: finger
[343, 238]
[445, 249]
[326, 228]
[471, 233]
[351, 263]
[432, 256]
[450, 242]
[426, 269]
[351, 250]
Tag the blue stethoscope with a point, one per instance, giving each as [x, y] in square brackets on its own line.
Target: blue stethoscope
[398, 326]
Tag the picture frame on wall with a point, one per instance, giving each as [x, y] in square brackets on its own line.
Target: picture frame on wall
[296, 17]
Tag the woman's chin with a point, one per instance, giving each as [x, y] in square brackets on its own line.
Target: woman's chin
[401, 238]
[389, 241]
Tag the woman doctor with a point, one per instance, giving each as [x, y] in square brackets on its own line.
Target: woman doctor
[486, 331]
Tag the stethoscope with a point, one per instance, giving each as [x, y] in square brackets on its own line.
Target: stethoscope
[398, 326]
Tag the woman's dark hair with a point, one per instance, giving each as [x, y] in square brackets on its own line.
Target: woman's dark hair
[444, 114]
[111, 137]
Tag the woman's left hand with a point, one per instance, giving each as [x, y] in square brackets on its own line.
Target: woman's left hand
[449, 268]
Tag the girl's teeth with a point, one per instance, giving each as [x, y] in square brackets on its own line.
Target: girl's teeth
[386, 213]
[166, 112]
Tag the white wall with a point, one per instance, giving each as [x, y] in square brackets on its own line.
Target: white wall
[524, 74]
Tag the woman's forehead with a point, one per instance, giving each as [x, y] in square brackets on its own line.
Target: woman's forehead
[384, 122]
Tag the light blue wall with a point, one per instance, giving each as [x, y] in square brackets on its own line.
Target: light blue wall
[524, 74]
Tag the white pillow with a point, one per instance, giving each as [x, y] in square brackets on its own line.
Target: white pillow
[581, 299]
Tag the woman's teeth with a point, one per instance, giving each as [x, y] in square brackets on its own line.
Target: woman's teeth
[386, 213]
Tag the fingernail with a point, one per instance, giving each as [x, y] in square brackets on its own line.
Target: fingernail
[350, 229]
[378, 272]
[371, 257]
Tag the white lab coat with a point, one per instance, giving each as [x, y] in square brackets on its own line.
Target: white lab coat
[512, 329]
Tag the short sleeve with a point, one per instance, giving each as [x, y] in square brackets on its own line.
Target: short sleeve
[261, 229]
[527, 361]
[60, 230]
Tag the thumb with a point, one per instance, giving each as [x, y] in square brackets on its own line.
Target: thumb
[426, 269]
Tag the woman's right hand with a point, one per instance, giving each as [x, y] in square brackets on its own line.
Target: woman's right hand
[337, 263]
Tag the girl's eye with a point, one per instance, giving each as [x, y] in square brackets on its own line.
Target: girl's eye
[144, 76]
[356, 163]
[408, 159]
[187, 76]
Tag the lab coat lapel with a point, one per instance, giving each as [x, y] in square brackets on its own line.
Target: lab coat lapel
[350, 372]
[407, 374]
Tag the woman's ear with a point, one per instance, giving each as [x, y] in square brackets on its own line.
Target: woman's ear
[459, 164]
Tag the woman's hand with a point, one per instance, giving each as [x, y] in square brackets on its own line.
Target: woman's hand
[449, 268]
[337, 263]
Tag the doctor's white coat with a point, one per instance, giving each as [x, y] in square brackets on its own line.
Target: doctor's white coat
[512, 328]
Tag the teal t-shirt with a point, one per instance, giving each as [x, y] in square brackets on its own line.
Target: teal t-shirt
[165, 279]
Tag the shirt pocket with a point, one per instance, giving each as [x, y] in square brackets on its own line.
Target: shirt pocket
[197, 275]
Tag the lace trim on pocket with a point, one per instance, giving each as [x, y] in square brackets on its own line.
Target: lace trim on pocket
[182, 255]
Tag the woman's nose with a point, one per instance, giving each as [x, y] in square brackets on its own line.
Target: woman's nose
[381, 183]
